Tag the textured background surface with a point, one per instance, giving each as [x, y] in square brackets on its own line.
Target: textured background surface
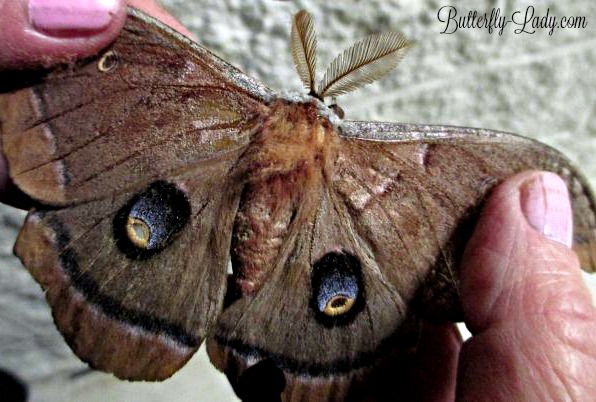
[536, 85]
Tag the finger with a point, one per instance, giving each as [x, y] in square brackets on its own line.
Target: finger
[524, 300]
[433, 375]
[423, 371]
[44, 32]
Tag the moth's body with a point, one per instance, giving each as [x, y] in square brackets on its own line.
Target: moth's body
[288, 165]
[153, 164]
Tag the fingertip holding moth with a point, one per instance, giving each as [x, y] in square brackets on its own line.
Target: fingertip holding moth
[140, 207]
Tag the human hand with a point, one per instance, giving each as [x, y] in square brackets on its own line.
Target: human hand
[41, 33]
[525, 303]
[530, 313]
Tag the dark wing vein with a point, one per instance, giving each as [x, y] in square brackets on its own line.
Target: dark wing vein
[76, 107]
[103, 134]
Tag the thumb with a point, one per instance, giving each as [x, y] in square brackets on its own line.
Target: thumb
[44, 32]
[531, 316]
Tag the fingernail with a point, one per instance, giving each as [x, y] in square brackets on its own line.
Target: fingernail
[546, 206]
[71, 15]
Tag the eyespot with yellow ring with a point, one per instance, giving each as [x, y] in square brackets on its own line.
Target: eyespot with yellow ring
[151, 220]
[337, 305]
[337, 288]
[138, 232]
[108, 61]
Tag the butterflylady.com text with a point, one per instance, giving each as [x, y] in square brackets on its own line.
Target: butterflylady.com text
[527, 21]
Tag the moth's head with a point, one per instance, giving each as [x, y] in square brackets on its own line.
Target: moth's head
[358, 65]
[323, 110]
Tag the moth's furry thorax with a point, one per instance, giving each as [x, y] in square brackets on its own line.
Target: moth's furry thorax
[287, 165]
[294, 138]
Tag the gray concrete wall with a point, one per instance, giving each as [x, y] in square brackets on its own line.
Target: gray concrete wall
[538, 85]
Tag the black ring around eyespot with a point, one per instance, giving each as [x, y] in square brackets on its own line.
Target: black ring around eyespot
[336, 274]
[163, 207]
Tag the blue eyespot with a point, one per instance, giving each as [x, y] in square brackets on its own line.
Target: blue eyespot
[151, 220]
[337, 290]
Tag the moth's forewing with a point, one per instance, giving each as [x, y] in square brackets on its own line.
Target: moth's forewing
[495, 155]
[93, 128]
[128, 156]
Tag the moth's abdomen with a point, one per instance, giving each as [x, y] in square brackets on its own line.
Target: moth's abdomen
[267, 208]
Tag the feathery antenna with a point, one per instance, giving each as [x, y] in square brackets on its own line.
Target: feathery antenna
[304, 47]
[363, 63]
[358, 65]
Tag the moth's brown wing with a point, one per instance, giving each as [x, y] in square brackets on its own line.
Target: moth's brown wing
[150, 105]
[447, 172]
[155, 122]
[137, 312]
[322, 357]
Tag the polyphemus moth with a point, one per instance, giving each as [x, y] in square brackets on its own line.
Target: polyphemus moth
[155, 163]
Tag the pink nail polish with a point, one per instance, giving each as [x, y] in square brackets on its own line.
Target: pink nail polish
[546, 206]
[71, 15]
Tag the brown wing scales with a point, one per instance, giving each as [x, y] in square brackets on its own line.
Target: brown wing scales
[123, 144]
[155, 160]
[82, 133]
[403, 210]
